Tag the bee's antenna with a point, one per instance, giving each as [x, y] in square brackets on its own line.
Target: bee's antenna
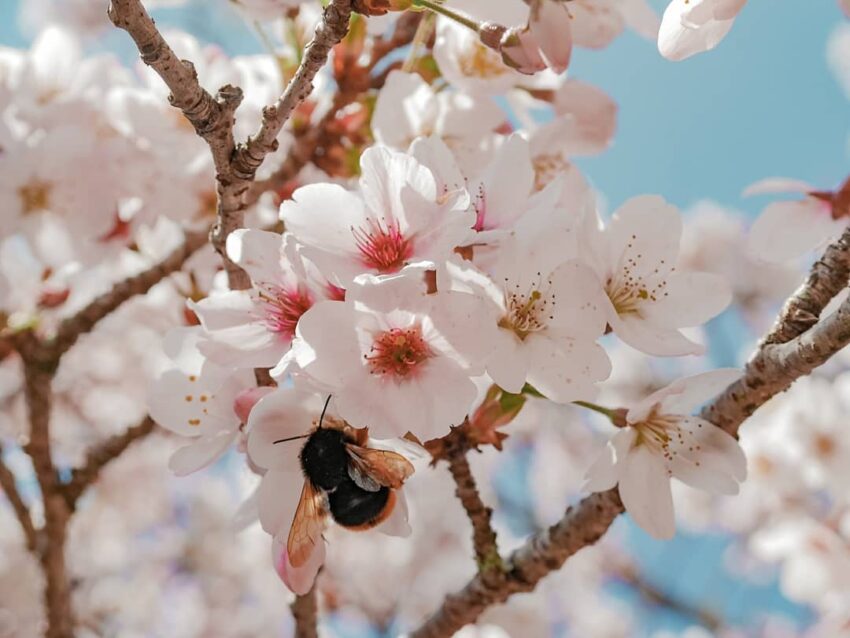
[304, 436]
[324, 409]
[291, 438]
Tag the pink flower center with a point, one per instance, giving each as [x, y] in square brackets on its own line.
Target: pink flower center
[398, 352]
[382, 248]
[284, 307]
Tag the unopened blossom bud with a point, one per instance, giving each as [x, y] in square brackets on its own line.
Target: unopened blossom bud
[520, 51]
[491, 35]
[380, 7]
[247, 399]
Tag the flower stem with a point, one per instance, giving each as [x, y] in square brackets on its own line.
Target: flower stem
[436, 7]
[420, 38]
[618, 416]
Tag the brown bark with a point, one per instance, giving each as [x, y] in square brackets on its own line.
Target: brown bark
[19, 507]
[304, 611]
[101, 455]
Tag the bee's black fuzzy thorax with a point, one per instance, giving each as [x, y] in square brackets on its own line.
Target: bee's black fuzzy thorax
[324, 458]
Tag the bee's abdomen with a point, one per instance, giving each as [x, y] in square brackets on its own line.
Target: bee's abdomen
[352, 506]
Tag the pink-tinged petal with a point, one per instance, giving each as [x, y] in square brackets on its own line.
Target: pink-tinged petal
[773, 185]
[641, 18]
[452, 314]
[718, 450]
[433, 153]
[689, 299]
[201, 453]
[603, 473]
[323, 215]
[521, 52]
[251, 345]
[579, 309]
[182, 403]
[645, 490]
[410, 450]
[258, 252]
[788, 230]
[680, 36]
[648, 230]
[281, 414]
[299, 579]
[727, 9]
[247, 399]
[507, 184]
[702, 478]
[330, 327]
[653, 339]
[594, 112]
[405, 107]
[385, 174]
[566, 370]
[550, 24]
[461, 114]
[683, 396]
[845, 7]
[396, 523]
[277, 499]
[225, 309]
[508, 365]
[596, 23]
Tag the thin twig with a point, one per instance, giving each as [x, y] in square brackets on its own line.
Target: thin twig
[22, 512]
[483, 534]
[86, 319]
[304, 611]
[100, 455]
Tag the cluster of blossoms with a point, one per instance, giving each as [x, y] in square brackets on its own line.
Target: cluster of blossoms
[459, 256]
[403, 294]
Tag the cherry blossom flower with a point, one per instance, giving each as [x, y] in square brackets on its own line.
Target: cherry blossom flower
[196, 398]
[786, 230]
[689, 27]
[465, 62]
[549, 309]
[545, 41]
[254, 328]
[407, 108]
[289, 413]
[395, 358]
[635, 257]
[397, 218]
[660, 441]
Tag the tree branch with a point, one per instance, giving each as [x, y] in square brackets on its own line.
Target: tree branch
[86, 319]
[483, 535]
[100, 455]
[57, 592]
[772, 369]
[329, 32]
[211, 116]
[827, 277]
[304, 611]
[9, 485]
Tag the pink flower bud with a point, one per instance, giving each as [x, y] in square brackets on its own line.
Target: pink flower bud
[247, 399]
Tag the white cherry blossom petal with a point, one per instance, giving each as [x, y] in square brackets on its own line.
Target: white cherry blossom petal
[789, 229]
